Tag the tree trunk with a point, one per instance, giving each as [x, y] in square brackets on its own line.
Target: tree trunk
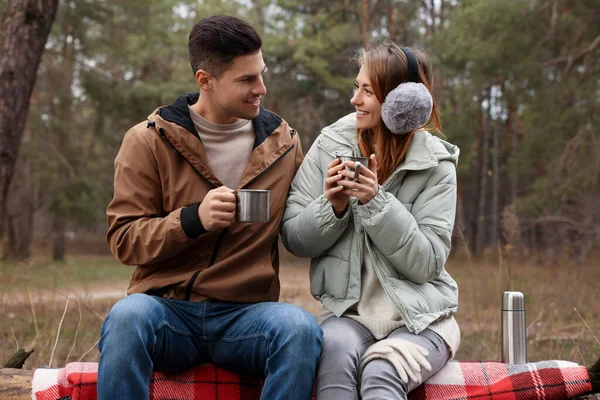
[24, 29]
[366, 23]
[18, 359]
[10, 241]
[442, 14]
[58, 239]
[495, 184]
[392, 23]
[260, 18]
[482, 169]
[64, 112]
[432, 16]
[15, 384]
[19, 215]
[27, 211]
[514, 142]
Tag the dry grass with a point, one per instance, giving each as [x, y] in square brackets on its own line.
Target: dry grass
[552, 293]
[34, 298]
[71, 343]
[562, 309]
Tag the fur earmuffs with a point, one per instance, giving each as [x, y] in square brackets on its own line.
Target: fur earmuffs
[406, 108]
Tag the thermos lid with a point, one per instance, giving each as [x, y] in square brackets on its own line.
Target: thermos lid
[513, 301]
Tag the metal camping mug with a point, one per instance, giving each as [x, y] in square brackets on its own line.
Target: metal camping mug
[253, 205]
[514, 331]
[358, 163]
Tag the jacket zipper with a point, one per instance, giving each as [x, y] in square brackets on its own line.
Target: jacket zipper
[160, 131]
[403, 312]
[269, 167]
[188, 290]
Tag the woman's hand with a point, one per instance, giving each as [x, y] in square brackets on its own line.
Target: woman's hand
[366, 187]
[333, 192]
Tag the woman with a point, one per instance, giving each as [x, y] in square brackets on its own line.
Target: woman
[379, 244]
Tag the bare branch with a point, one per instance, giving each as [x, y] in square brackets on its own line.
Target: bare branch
[104, 73]
[58, 332]
[570, 59]
[563, 219]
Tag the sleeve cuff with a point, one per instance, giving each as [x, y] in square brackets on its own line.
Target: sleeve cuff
[190, 221]
[327, 217]
[374, 206]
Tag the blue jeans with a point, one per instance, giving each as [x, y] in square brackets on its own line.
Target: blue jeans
[143, 333]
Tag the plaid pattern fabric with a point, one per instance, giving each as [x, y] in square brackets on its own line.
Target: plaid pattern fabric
[206, 382]
[458, 380]
[478, 380]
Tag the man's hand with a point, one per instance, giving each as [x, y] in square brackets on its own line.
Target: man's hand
[217, 210]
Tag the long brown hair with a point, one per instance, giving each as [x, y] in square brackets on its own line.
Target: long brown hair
[387, 67]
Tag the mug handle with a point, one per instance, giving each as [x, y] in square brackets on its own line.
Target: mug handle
[357, 166]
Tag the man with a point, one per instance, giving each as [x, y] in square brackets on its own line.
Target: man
[206, 286]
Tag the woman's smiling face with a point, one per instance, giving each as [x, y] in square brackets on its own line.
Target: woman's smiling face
[368, 107]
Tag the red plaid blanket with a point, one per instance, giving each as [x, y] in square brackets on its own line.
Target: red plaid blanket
[468, 380]
[472, 380]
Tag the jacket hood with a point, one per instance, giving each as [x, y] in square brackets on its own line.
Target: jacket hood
[426, 146]
[178, 113]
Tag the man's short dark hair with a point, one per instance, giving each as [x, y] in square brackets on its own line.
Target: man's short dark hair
[215, 41]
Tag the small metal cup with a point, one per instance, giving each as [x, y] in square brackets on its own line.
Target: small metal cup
[253, 205]
[358, 163]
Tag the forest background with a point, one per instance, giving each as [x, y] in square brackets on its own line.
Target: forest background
[517, 83]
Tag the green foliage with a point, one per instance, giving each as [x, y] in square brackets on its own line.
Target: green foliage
[483, 49]
[526, 69]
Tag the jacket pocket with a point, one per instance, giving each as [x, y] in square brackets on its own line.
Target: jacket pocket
[409, 294]
[329, 275]
[261, 276]
[446, 291]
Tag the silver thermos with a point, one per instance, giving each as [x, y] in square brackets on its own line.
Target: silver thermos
[514, 331]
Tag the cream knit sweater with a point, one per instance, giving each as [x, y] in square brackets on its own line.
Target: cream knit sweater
[227, 146]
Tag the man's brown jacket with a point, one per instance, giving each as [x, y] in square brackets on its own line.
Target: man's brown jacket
[161, 176]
